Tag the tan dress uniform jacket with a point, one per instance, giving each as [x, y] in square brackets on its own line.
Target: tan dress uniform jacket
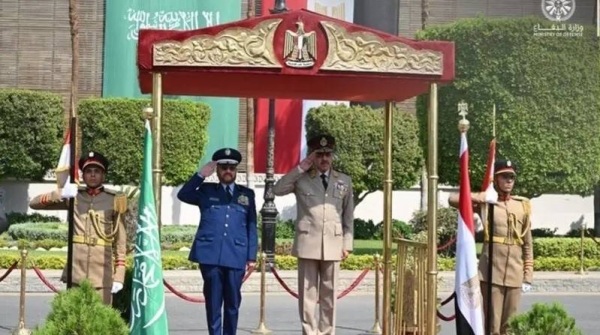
[99, 241]
[324, 229]
[513, 255]
[325, 218]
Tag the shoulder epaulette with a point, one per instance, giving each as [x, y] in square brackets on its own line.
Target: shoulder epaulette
[519, 198]
[120, 202]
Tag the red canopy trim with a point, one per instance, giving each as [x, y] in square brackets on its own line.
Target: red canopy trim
[294, 55]
[232, 47]
[366, 52]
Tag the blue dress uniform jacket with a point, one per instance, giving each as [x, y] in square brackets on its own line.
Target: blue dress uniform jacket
[227, 234]
[225, 241]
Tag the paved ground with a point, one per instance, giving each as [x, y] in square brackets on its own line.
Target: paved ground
[355, 313]
[191, 282]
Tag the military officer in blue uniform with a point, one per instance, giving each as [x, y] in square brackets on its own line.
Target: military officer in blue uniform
[226, 241]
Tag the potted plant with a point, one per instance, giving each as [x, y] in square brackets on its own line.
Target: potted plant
[544, 319]
[80, 310]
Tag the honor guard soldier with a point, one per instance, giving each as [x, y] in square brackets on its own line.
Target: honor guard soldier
[99, 226]
[512, 271]
[226, 241]
[324, 231]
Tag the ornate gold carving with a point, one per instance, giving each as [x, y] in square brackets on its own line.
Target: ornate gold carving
[233, 47]
[300, 47]
[367, 52]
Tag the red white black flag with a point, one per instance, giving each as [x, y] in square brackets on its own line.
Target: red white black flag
[468, 302]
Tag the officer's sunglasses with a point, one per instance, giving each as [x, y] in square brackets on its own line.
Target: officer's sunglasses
[226, 167]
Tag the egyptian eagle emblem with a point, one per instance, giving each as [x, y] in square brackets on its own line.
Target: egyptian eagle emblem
[300, 47]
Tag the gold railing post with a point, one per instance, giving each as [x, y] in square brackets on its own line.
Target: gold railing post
[387, 218]
[262, 328]
[581, 265]
[21, 330]
[432, 203]
[376, 326]
[157, 101]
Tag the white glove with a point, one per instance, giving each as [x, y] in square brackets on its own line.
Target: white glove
[69, 191]
[525, 287]
[491, 196]
[478, 222]
[116, 287]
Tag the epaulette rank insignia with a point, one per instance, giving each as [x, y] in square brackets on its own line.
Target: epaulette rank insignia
[120, 203]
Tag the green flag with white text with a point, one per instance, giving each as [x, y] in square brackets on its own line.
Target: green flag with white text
[148, 313]
[124, 19]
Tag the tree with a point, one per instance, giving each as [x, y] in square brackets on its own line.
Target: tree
[547, 90]
[359, 139]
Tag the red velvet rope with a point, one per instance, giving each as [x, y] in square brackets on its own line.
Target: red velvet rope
[342, 294]
[44, 280]
[446, 318]
[447, 245]
[199, 300]
[9, 270]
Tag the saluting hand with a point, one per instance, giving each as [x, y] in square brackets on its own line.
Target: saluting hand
[208, 169]
[307, 162]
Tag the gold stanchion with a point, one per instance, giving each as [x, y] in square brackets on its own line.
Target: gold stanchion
[21, 330]
[581, 270]
[387, 219]
[262, 328]
[376, 326]
[157, 101]
[432, 203]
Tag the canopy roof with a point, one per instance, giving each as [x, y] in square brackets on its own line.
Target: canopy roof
[295, 55]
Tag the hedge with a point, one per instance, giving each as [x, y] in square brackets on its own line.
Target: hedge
[547, 90]
[115, 128]
[353, 262]
[31, 131]
[359, 134]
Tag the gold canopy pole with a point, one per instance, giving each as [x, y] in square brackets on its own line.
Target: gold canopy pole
[387, 220]
[157, 97]
[432, 202]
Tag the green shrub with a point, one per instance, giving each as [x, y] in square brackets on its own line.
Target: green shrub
[447, 223]
[39, 231]
[544, 319]
[31, 129]
[15, 218]
[359, 133]
[400, 229]
[81, 311]
[364, 230]
[543, 232]
[564, 247]
[115, 127]
[500, 61]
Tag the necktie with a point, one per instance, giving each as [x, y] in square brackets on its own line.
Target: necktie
[324, 180]
[229, 194]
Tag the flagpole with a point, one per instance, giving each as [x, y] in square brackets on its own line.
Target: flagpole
[71, 210]
[490, 220]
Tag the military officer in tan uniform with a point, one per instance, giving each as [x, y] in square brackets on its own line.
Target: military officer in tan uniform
[324, 231]
[512, 271]
[99, 241]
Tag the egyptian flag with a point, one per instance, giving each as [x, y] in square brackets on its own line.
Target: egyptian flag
[64, 163]
[338, 9]
[288, 120]
[468, 301]
[290, 135]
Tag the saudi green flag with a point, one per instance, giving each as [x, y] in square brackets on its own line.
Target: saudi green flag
[148, 313]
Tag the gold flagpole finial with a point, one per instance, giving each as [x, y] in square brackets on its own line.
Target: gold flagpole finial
[463, 110]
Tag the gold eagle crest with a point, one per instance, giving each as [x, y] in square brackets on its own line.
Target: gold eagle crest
[300, 47]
